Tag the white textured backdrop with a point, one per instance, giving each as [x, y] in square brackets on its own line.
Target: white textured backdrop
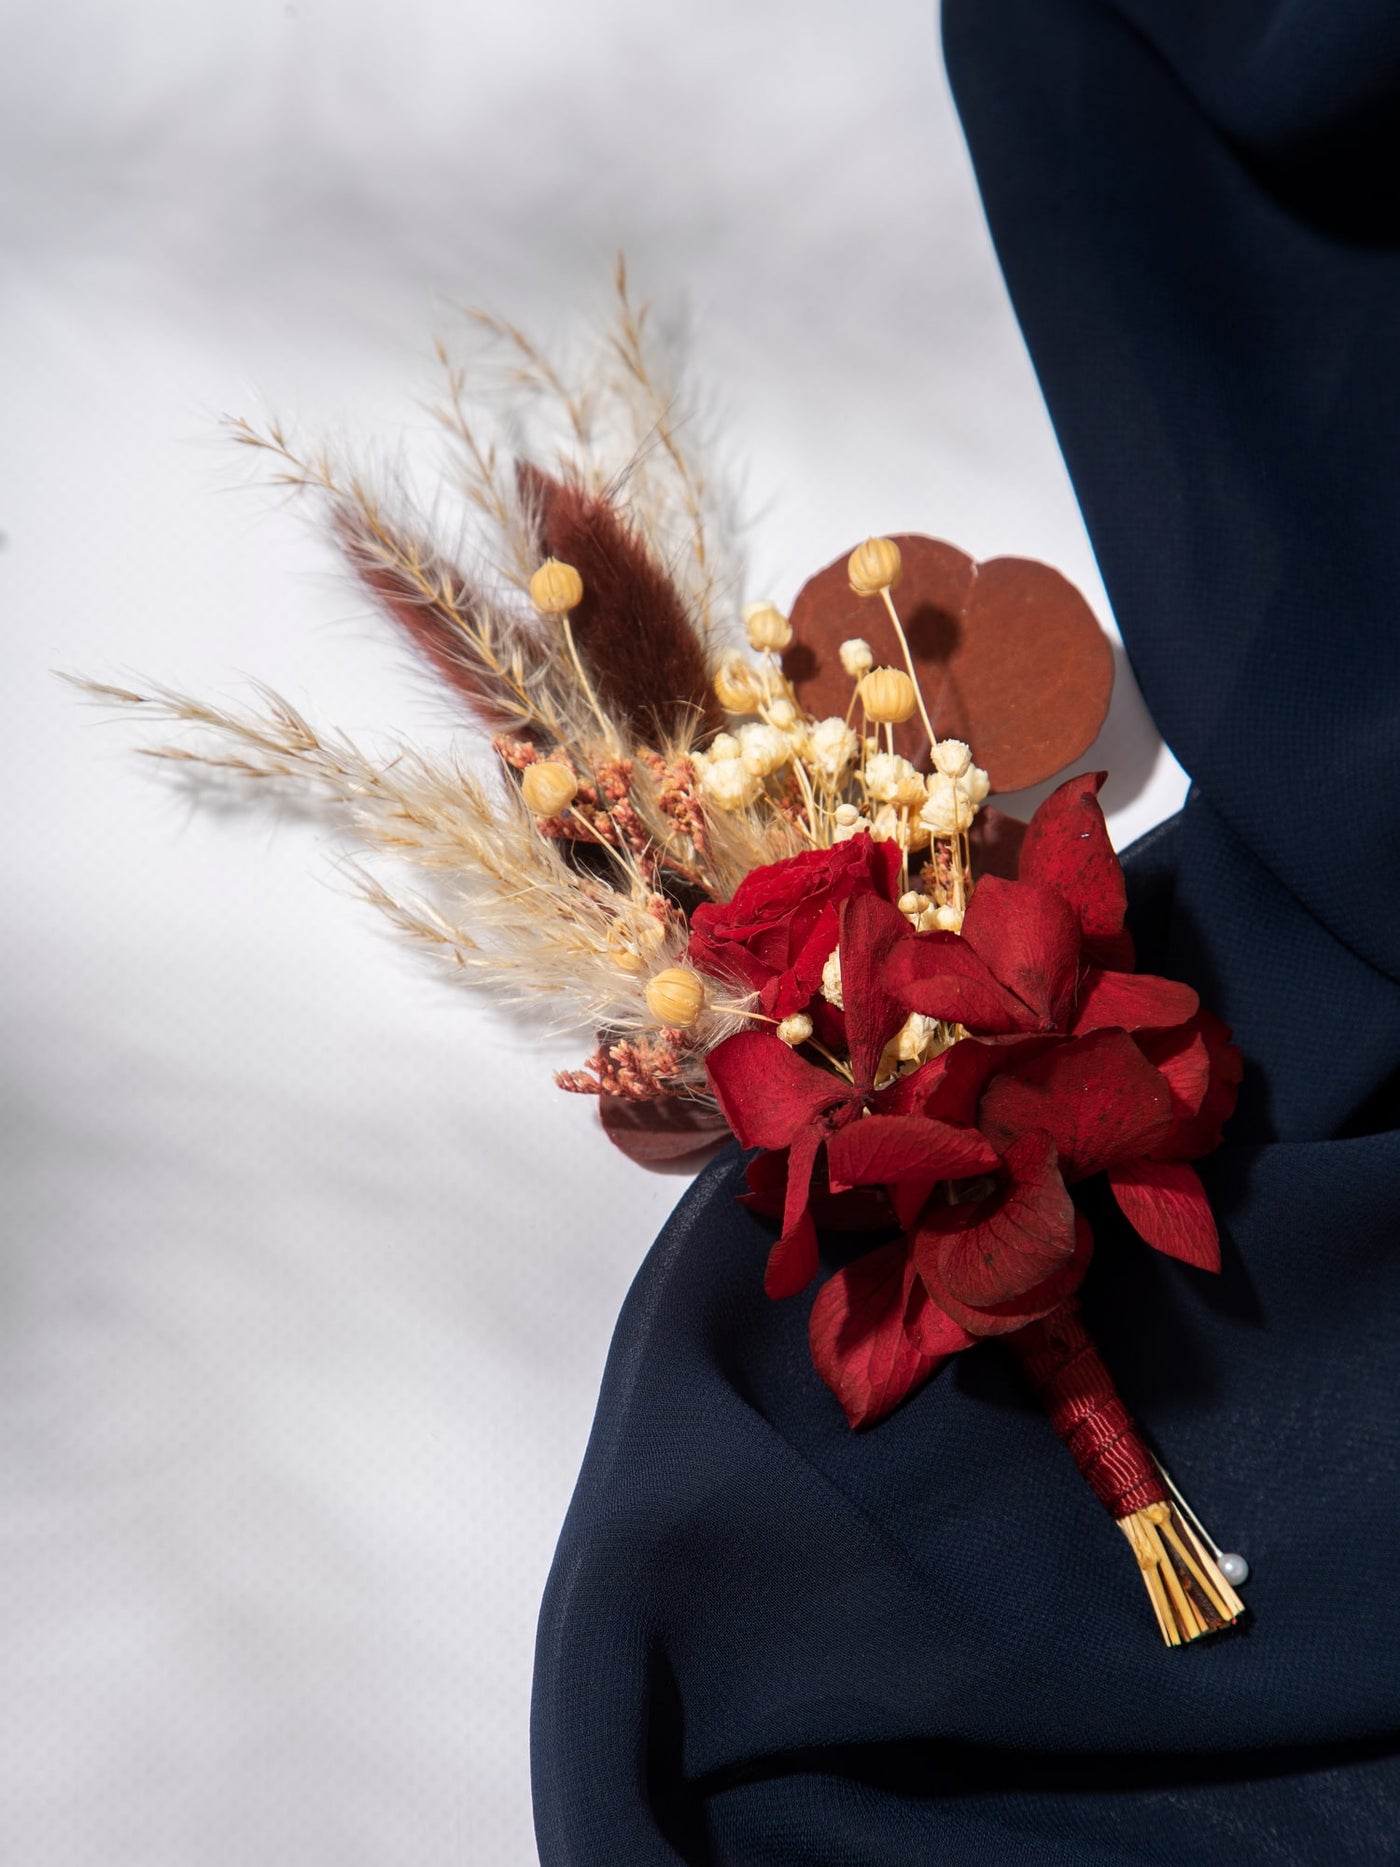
[308, 1274]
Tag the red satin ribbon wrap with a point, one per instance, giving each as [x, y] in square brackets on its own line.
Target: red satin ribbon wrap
[1077, 1392]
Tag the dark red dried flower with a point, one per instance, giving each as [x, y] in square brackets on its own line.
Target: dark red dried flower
[781, 926]
[1071, 1066]
[773, 1098]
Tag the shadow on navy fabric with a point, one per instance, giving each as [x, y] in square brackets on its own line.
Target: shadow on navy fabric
[767, 1639]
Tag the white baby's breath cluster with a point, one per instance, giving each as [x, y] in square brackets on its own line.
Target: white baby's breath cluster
[840, 777]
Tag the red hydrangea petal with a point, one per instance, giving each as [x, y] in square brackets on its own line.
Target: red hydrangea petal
[932, 1329]
[940, 975]
[1199, 1132]
[766, 1175]
[1067, 848]
[1166, 1204]
[861, 1209]
[871, 930]
[949, 1086]
[1004, 1245]
[792, 1263]
[1133, 1001]
[882, 1149]
[909, 1197]
[766, 1092]
[860, 1343]
[1028, 935]
[1098, 1097]
[1183, 1061]
[1016, 1312]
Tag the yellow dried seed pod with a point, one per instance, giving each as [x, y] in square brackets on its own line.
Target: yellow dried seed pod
[874, 566]
[888, 696]
[548, 787]
[631, 940]
[737, 687]
[675, 996]
[556, 588]
[767, 627]
[796, 1029]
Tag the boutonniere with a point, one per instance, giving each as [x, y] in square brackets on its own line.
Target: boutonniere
[751, 853]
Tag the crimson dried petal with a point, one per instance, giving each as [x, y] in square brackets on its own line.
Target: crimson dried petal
[1166, 1204]
[792, 1263]
[949, 1086]
[911, 1094]
[766, 1176]
[1097, 1096]
[1028, 937]
[782, 913]
[767, 1093]
[1006, 1318]
[859, 1209]
[1133, 1001]
[871, 930]
[1067, 848]
[1008, 1243]
[1181, 1058]
[866, 1346]
[940, 975]
[1199, 1132]
[887, 1149]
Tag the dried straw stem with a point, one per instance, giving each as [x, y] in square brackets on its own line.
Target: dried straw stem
[1189, 1595]
[540, 929]
[658, 422]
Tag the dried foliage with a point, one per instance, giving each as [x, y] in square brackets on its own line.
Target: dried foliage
[584, 616]
[497, 902]
[632, 628]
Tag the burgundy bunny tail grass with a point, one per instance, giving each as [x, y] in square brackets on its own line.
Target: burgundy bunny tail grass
[431, 603]
[632, 626]
[1189, 1594]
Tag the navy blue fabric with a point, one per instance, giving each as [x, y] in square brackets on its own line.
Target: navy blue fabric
[767, 1639]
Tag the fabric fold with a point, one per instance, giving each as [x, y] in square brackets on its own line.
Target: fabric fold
[770, 1639]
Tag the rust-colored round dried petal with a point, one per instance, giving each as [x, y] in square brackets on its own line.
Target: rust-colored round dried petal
[663, 1129]
[995, 843]
[1009, 655]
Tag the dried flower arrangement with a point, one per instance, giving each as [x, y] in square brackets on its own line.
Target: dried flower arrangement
[807, 927]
